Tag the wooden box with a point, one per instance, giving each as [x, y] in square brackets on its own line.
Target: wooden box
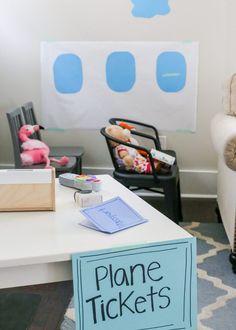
[27, 190]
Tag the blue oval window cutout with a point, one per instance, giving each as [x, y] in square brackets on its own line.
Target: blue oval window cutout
[120, 71]
[68, 75]
[171, 71]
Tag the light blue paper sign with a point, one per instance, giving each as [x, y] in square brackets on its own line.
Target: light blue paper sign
[112, 216]
[150, 8]
[141, 287]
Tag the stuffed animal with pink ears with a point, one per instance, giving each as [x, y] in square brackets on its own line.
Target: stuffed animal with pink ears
[36, 151]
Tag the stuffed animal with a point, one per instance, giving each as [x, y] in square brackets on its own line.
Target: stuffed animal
[129, 157]
[36, 151]
[132, 128]
[126, 125]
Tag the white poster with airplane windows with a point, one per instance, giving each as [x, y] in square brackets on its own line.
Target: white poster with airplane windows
[86, 83]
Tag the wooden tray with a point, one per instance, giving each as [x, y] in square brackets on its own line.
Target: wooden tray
[27, 190]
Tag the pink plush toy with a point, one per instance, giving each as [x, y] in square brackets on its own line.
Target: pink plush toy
[35, 151]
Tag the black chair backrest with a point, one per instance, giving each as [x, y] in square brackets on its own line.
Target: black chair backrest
[30, 118]
[108, 139]
[16, 121]
[156, 140]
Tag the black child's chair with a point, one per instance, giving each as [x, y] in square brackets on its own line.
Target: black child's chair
[164, 183]
[58, 151]
[15, 121]
[151, 132]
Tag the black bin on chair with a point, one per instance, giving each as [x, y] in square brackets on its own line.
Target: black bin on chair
[166, 183]
[16, 121]
[58, 151]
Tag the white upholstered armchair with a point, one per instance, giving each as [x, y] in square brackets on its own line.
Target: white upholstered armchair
[223, 132]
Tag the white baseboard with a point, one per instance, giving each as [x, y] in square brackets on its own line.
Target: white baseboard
[194, 183]
[6, 166]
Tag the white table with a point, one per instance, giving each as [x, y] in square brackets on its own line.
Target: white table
[36, 247]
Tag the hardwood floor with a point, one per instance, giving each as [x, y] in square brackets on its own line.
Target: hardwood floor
[55, 297]
[194, 209]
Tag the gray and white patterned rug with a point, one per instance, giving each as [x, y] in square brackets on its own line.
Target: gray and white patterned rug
[216, 281]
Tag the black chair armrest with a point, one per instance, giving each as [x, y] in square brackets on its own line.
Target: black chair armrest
[147, 136]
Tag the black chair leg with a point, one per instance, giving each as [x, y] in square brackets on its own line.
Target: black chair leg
[172, 201]
[179, 201]
[217, 210]
[232, 259]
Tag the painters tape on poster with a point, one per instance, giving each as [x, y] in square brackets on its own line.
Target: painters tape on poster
[86, 83]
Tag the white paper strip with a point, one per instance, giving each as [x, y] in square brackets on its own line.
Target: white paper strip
[23, 176]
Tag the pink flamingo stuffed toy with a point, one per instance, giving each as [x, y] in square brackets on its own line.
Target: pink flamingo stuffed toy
[36, 151]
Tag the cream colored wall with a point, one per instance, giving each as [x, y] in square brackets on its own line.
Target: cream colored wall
[25, 23]
[230, 43]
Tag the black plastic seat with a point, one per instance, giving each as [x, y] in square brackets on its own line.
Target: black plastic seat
[55, 151]
[164, 183]
[16, 121]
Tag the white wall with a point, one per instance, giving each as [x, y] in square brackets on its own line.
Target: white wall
[230, 43]
[25, 23]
